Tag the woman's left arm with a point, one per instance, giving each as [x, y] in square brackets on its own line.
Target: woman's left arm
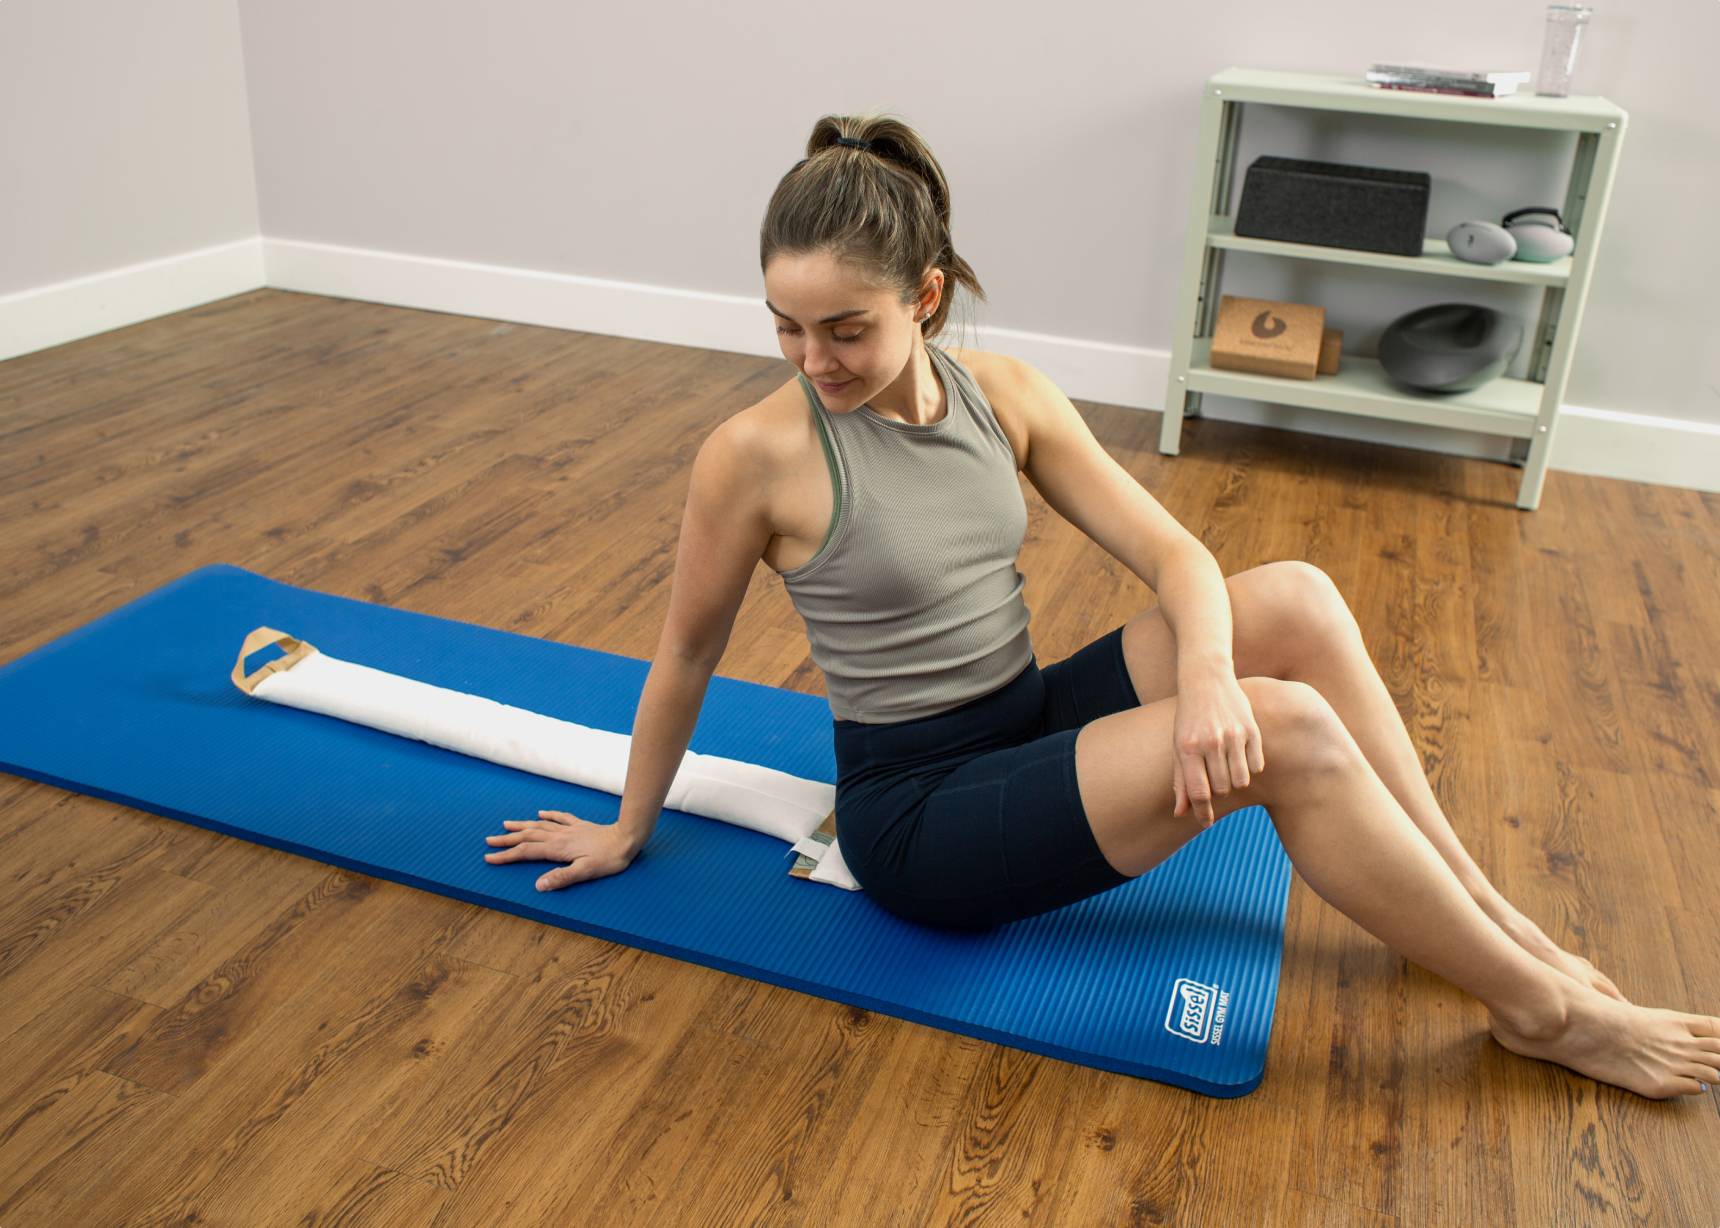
[1216, 740]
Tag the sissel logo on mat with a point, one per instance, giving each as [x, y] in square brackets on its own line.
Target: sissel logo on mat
[1197, 1011]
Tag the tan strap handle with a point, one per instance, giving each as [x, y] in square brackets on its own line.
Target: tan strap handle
[262, 637]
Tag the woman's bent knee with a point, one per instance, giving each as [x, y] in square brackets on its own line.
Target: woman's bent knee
[1124, 764]
[1299, 731]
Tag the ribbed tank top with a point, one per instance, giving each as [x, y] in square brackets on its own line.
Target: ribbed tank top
[913, 603]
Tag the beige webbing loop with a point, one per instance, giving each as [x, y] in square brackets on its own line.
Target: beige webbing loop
[262, 637]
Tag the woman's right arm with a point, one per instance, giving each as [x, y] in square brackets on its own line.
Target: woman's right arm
[725, 528]
[662, 728]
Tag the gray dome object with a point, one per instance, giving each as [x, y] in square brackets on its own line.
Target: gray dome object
[1540, 233]
[1481, 243]
[1449, 347]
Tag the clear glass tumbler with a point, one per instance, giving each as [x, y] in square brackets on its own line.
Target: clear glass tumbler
[1565, 24]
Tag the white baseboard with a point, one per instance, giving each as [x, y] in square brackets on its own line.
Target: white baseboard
[32, 320]
[1601, 442]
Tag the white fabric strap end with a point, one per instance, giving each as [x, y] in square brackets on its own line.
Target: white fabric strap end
[832, 869]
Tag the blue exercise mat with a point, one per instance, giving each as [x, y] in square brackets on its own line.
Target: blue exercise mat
[1172, 976]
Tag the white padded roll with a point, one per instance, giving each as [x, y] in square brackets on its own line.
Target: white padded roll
[748, 795]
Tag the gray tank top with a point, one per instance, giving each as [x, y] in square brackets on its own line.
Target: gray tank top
[913, 604]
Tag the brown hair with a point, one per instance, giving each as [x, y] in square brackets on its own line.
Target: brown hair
[883, 211]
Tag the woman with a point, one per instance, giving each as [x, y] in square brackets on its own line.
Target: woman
[975, 788]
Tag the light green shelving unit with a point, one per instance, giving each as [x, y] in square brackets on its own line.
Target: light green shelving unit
[1527, 410]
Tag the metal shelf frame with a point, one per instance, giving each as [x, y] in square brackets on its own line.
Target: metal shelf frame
[1526, 410]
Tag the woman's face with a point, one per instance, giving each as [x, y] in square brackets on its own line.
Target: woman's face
[865, 350]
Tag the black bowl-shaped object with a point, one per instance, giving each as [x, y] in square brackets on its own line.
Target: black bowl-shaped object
[1449, 347]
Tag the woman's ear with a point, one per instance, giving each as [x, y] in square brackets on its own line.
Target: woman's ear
[932, 295]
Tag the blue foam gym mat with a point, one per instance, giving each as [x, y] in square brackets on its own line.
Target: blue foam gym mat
[1172, 976]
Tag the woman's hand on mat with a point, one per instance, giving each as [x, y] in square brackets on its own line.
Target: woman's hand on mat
[1216, 744]
[591, 850]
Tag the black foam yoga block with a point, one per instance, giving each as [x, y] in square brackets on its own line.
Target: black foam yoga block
[1365, 208]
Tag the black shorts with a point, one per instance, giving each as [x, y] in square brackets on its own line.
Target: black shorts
[972, 817]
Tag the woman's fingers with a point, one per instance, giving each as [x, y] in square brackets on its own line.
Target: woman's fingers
[515, 837]
[1239, 764]
[1197, 786]
[1201, 776]
[1227, 768]
[1218, 771]
[532, 851]
[525, 838]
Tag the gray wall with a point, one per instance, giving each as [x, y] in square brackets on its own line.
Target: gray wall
[124, 135]
[640, 143]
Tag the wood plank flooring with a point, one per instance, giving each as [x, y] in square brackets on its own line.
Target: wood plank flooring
[192, 1036]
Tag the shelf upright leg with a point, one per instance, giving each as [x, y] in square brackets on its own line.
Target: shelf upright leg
[1540, 356]
[1585, 214]
[1212, 268]
[1220, 124]
[1553, 298]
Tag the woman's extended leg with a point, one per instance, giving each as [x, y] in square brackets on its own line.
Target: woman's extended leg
[1332, 659]
[1358, 849]
[1290, 621]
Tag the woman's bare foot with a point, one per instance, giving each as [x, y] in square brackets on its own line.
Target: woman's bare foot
[1653, 1052]
[1526, 934]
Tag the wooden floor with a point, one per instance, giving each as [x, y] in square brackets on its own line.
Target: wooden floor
[203, 1030]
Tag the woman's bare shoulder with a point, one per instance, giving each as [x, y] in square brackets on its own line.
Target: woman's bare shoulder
[982, 363]
[765, 435]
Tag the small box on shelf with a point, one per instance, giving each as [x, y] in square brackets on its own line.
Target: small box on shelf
[1331, 346]
[1268, 337]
